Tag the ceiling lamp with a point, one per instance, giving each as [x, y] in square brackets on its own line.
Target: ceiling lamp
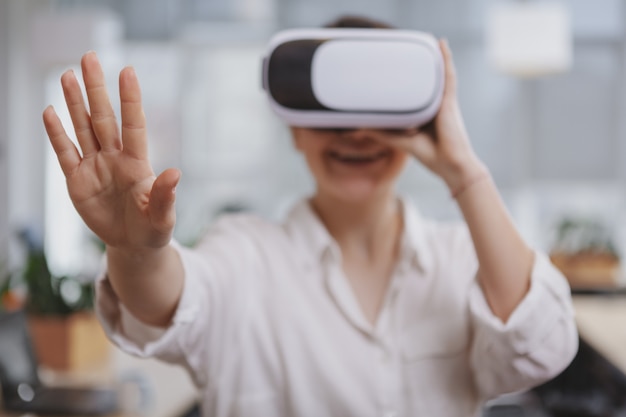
[529, 39]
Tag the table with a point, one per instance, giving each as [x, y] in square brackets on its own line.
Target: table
[601, 322]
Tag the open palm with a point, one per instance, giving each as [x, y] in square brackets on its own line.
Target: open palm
[112, 184]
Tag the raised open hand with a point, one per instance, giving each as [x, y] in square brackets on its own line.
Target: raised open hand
[112, 184]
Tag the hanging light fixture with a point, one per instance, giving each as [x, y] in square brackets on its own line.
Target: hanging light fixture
[529, 39]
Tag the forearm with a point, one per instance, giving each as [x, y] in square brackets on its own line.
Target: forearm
[443, 146]
[505, 260]
[148, 282]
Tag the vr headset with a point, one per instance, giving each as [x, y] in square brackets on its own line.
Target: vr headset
[354, 78]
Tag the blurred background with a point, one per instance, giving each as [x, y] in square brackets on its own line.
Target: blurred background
[542, 86]
[551, 133]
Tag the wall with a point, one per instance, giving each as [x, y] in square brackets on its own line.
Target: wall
[27, 144]
[4, 131]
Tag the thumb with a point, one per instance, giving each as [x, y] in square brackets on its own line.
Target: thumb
[162, 198]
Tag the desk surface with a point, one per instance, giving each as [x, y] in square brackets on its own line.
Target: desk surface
[602, 323]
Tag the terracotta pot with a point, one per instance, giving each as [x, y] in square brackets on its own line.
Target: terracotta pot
[588, 270]
[69, 343]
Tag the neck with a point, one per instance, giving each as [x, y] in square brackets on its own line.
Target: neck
[364, 226]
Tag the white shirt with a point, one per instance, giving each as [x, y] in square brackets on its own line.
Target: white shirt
[268, 325]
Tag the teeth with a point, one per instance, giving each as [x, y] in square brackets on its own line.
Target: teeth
[355, 158]
[359, 157]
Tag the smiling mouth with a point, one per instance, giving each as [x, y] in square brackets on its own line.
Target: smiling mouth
[359, 158]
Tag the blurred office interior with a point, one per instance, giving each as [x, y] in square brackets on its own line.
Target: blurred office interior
[554, 140]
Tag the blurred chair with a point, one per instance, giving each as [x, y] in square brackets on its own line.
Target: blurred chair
[591, 386]
[194, 411]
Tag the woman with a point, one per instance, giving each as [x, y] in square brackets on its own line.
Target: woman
[354, 306]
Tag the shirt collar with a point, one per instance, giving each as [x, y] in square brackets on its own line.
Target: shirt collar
[310, 236]
[314, 243]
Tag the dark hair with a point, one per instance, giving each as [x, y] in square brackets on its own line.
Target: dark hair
[353, 21]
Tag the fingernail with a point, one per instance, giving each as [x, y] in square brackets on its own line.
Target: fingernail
[90, 52]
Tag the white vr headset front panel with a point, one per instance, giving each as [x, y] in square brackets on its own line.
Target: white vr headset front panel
[354, 77]
[346, 78]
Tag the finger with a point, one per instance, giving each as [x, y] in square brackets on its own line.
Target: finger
[449, 70]
[133, 118]
[401, 140]
[66, 151]
[78, 113]
[424, 149]
[162, 198]
[102, 115]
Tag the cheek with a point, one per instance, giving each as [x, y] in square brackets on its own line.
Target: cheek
[398, 162]
[313, 153]
[298, 142]
[315, 161]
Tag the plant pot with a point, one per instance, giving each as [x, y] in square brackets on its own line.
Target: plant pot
[68, 343]
[588, 270]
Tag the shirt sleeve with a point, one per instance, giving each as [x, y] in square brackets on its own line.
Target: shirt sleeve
[139, 339]
[209, 312]
[537, 342]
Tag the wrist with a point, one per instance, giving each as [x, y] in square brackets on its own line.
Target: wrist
[478, 177]
[135, 254]
[457, 176]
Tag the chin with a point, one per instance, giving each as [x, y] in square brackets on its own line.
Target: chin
[359, 191]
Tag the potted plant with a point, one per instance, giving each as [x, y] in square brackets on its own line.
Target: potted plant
[65, 332]
[584, 251]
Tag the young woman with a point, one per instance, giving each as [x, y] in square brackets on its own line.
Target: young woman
[354, 306]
